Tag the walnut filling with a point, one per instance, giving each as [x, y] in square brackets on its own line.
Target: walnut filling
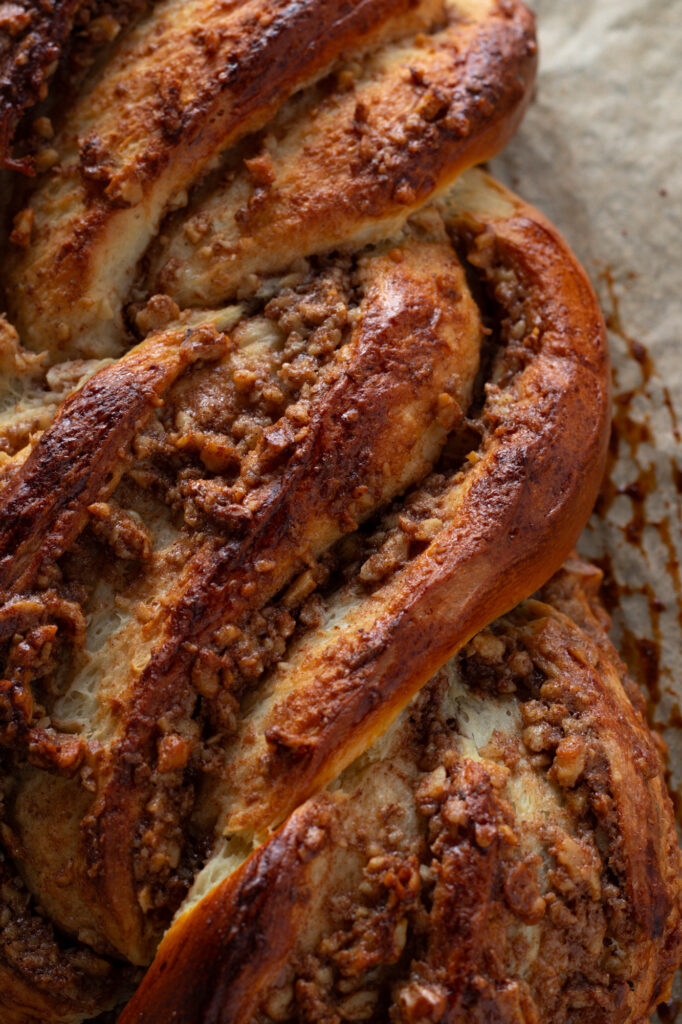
[347, 432]
[483, 870]
[452, 792]
[197, 476]
[198, 472]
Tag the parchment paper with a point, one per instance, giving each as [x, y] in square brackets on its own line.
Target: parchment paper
[600, 153]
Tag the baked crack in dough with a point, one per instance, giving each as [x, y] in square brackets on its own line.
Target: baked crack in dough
[294, 406]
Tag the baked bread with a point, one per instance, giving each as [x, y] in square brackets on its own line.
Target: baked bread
[505, 852]
[173, 97]
[37, 40]
[266, 468]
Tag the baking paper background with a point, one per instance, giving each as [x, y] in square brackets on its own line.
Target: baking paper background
[600, 153]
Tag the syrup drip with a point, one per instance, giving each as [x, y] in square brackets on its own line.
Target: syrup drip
[631, 444]
[669, 1012]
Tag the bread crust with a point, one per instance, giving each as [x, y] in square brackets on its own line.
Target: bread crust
[94, 218]
[46, 502]
[414, 345]
[228, 955]
[234, 560]
[516, 509]
[352, 163]
[165, 105]
[509, 525]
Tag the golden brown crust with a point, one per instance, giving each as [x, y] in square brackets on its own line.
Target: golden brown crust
[228, 933]
[193, 717]
[512, 521]
[352, 160]
[75, 462]
[232, 558]
[46, 506]
[170, 100]
[412, 352]
[396, 368]
[115, 182]
[550, 881]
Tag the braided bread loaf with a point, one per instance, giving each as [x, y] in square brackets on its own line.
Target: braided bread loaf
[292, 412]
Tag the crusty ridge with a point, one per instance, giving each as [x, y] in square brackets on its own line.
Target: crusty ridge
[342, 165]
[219, 555]
[497, 855]
[172, 99]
